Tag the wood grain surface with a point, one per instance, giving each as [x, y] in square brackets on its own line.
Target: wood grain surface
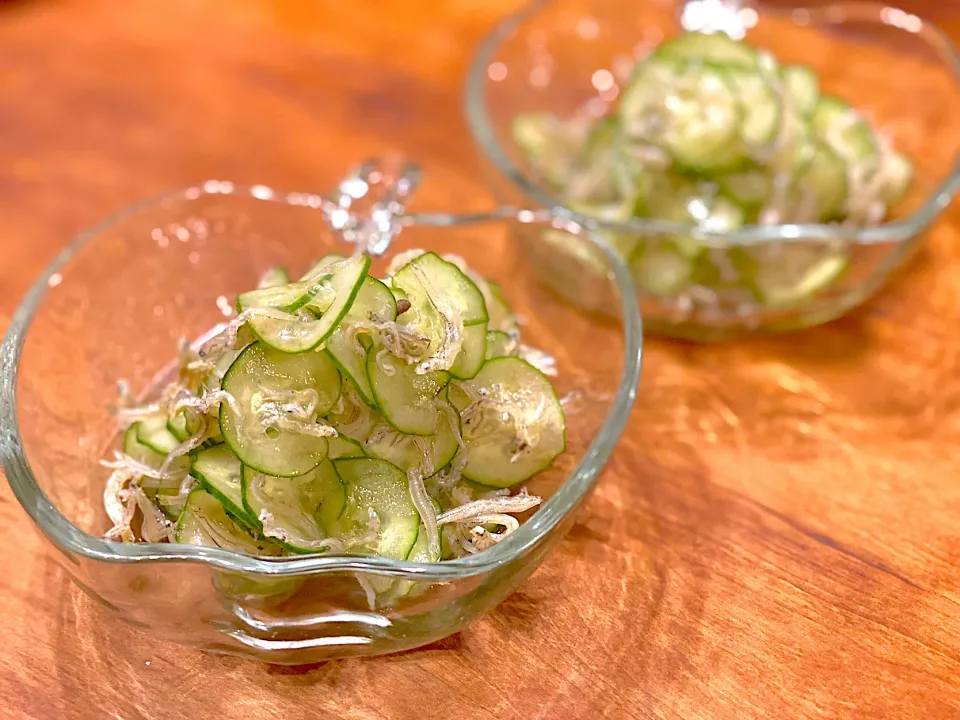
[777, 536]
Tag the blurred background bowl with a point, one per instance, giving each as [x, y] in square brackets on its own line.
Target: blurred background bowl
[572, 56]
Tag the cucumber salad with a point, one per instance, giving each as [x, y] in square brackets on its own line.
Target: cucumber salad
[343, 413]
[714, 133]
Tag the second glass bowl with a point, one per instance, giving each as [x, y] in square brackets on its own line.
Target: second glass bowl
[571, 56]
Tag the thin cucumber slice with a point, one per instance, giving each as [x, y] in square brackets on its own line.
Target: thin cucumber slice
[749, 189]
[430, 453]
[430, 275]
[218, 472]
[398, 293]
[897, 173]
[382, 487]
[322, 266]
[262, 374]
[671, 197]
[405, 397]
[374, 303]
[295, 334]
[623, 243]
[419, 553]
[803, 86]
[715, 48]
[661, 271]
[343, 447]
[290, 297]
[719, 216]
[786, 274]
[178, 427]
[600, 173]
[690, 110]
[205, 522]
[273, 277]
[501, 344]
[136, 450]
[133, 448]
[472, 352]
[152, 432]
[548, 143]
[502, 454]
[847, 133]
[822, 187]
[761, 107]
[297, 513]
[457, 396]
[501, 316]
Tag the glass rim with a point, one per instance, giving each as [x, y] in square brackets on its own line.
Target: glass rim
[71, 539]
[835, 14]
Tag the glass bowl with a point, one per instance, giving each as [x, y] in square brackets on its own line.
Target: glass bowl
[113, 306]
[570, 57]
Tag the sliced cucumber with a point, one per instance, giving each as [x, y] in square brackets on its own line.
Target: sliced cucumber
[897, 171]
[290, 297]
[822, 185]
[323, 266]
[273, 277]
[761, 108]
[804, 87]
[419, 553]
[295, 334]
[178, 427]
[502, 453]
[710, 47]
[430, 276]
[472, 352]
[785, 274]
[547, 143]
[430, 453]
[501, 344]
[660, 270]
[218, 472]
[133, 448]
[205, 522]
[406, 398]
[382, 487]
[136, 450]
[343, 447]
[297, 513]
[623, 243]
[152, 432]
[260, 374]
[845, 131]
[600, 172]
[374, 303]
[749, 189]
[690, 110]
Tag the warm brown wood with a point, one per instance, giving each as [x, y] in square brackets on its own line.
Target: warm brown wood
[776, 537]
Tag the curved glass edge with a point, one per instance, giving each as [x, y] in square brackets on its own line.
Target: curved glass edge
[902, 229]
[72, 540]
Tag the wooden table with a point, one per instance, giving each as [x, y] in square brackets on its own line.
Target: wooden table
[777, 536]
